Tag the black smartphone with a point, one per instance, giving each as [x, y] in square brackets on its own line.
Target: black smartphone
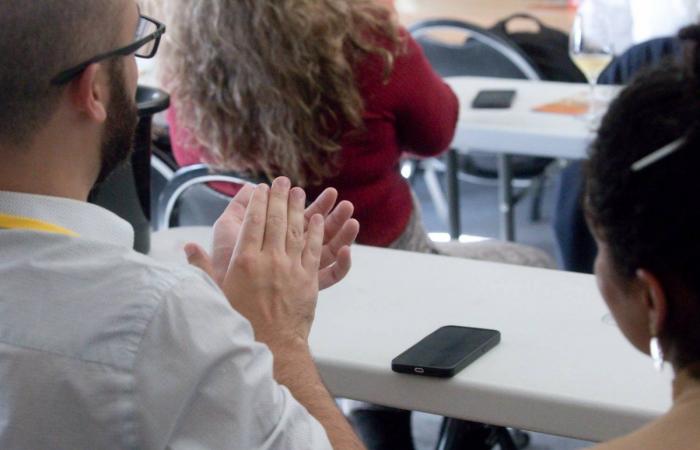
[446, 351]
[493, 99]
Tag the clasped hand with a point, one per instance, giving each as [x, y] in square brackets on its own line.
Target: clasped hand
[270, 256]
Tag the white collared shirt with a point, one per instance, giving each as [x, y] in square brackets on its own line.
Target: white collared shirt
[104, 348]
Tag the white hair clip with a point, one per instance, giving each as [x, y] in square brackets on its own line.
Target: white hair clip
[658, 155]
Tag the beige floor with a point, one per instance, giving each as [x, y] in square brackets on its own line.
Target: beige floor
[427, 426]
[485, 13]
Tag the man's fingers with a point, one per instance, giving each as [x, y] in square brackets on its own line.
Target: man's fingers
[314, 243]
[253, 229]
[344, 237]
[197, 257]
[227, 229]
[221, 254]
[337, 219]
[323, 204]
[277, 208]
[295, 222]
[330, 275]
[237, 206]
[244, 195]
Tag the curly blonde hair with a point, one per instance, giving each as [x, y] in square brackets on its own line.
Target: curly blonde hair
[269, 85]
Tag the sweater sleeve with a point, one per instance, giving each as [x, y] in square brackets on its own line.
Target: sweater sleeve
[425, 107]
[184, 151]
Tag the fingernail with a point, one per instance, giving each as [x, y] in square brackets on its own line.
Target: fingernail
[283, 182]
[298, 194]
[190, 250]
[263, 187]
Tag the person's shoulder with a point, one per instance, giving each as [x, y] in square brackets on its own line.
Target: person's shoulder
[134, 277]
[174, 288]
[664, 433]
[371, 70]
[92, 302]
[165, 300]
[184, 295]
[164, 275]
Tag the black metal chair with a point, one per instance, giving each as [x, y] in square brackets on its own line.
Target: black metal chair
[126, 192]
[194, 203]
[477, 52]
[181, 195]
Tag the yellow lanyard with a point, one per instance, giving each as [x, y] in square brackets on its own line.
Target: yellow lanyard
[27, 223]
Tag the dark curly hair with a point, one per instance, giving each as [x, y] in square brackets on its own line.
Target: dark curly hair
[650, 218]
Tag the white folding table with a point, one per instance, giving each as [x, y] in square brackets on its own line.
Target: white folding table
[561, 367]
[519, 130]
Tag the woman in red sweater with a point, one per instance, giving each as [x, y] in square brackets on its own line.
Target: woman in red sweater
[328, 93]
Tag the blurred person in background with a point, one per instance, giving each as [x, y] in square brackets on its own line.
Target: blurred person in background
[634, 21]
[328, 93]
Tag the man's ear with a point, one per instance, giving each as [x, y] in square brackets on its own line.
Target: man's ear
[90, 93]
[655, 300]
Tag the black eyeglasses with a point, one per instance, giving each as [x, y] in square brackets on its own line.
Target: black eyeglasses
[148, 33]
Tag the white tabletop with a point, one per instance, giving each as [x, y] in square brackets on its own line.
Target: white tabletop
[559, 368]
[520, 130]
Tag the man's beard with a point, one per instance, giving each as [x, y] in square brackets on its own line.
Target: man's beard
[120, 126]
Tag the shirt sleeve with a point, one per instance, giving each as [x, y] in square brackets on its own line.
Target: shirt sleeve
[203, 382]
[425, 107]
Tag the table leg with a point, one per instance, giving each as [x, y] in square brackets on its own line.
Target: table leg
[453, 194]
[505, 193]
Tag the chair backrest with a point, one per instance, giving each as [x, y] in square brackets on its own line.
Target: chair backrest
[127, 191]
[200, 205]
[188, 184]
[480, 53]
[638, 57]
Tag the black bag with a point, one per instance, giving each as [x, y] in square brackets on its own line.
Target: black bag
[548, 49]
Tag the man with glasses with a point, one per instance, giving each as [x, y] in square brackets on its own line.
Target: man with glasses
[101, 347]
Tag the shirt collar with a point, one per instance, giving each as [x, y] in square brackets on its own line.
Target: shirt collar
[87, 220]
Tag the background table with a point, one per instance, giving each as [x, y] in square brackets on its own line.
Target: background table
[559, 368]
[519, 130]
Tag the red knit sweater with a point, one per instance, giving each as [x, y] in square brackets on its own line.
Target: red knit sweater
[415, 112]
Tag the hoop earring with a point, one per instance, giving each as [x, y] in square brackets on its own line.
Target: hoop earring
[657, 353]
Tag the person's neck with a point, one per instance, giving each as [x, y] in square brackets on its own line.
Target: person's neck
[61, 169]
[686, 378]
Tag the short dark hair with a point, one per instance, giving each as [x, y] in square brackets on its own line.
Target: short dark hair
[38, 39]
[650, 218]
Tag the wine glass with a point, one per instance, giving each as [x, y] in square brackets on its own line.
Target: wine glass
[590, 47]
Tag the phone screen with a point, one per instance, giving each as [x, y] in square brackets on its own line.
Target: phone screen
[493, 99]
[446, 351]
